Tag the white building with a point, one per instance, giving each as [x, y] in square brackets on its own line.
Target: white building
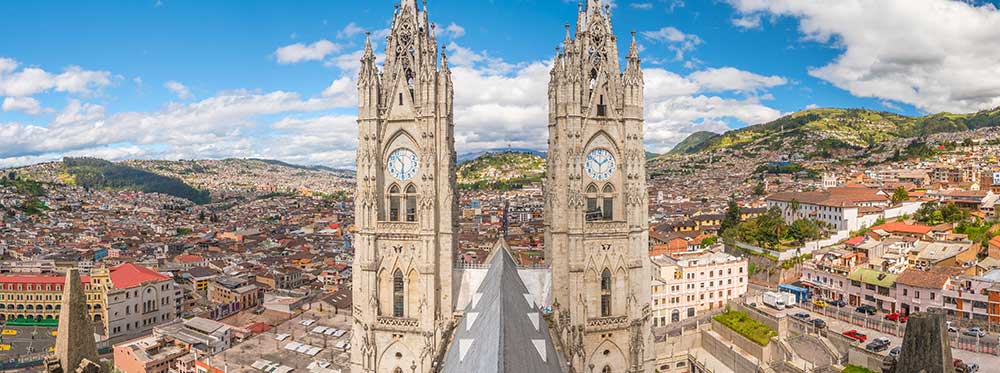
[843, 208]
[695, 282]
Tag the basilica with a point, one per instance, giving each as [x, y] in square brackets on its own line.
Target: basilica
[588, 310]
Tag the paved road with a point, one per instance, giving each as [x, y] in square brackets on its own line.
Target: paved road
[839, 326]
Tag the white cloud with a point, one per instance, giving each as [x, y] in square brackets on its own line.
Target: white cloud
[178, 89]
[197, 129]
[26, 104]
[936, 55]
[732, 79]
[750, 21]
[7, 65]
[676, 40]
[32, 80]
[300, 52]
[454, 31]
[75, 111]
[671, 120]
[350, 31]
[643, 6]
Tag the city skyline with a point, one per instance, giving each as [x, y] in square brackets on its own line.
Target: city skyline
[283, 85]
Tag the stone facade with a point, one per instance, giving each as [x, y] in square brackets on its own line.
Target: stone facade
[406, 203]
[596, 205]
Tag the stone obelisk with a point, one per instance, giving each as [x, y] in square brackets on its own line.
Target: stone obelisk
[75, 340]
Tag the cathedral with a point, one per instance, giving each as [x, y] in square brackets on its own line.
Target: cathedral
[588, 311]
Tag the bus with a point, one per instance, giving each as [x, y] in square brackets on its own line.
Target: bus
[802, 295]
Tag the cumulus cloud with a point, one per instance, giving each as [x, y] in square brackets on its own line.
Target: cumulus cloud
[178, 89]
[936, 55]
[732, 79]
[454, 31]
[676, 40]
[300, 52]
[206, 124]
[32, 80]
[350, 31]
[26, 104]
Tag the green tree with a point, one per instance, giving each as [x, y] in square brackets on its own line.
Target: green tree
[900, 195]
[804, 230]
[759, 189]
[732, 217]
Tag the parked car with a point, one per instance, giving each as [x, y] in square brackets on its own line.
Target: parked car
[865, 309]
[801, 316]
[974, 332]
[838, 303]
[894, 352]
[820, 303]
[878, 344]
[895, 316]
[859, 336]
[818, 323]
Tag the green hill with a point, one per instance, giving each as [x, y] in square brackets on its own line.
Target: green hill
[501, 170]
[100, 174]
[692, 143]
[831, 130]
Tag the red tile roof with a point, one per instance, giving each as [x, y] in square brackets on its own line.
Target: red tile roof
[846, 196]
[995, 241]
[32, 279]
[855, 240]
[903, 228]
[129, 275]
[188, 258]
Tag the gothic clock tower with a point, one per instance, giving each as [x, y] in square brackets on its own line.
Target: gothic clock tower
[405, 203]
[596, 202]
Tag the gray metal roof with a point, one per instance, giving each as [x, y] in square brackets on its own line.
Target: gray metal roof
[503, 329]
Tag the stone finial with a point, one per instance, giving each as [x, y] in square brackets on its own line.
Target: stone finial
[925, 345]
[75, 340]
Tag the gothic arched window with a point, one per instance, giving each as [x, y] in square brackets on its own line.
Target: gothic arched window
[409, 82]
[394, 203]
[606, 293]
[592, 199]
[607, 369]
[397, 294]
[593, 79]
[411, 203]
[608, 203]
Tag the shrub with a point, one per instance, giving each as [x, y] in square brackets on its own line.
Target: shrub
[744, 325]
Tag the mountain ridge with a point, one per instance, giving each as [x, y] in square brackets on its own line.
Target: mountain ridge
[832, 129]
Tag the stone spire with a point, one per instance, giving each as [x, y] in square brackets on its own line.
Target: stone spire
[368, 72]
[75, 339]
[633, 70]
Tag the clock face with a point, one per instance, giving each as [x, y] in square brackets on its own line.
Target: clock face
[600, 164]
[402, 164]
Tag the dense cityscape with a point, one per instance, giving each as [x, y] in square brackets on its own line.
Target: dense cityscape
[822, 240]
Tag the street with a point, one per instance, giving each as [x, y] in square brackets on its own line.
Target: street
[838, 320]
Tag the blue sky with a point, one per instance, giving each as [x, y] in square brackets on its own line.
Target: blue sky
[195, 79]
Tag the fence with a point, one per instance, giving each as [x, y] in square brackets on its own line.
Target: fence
[807, 248]
[987, 345]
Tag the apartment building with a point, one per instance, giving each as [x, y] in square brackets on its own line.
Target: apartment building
[126, 300]
[842, 208]
[690, 283]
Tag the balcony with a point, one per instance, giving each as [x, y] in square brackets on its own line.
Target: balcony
[400, 324]
[607, 323]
